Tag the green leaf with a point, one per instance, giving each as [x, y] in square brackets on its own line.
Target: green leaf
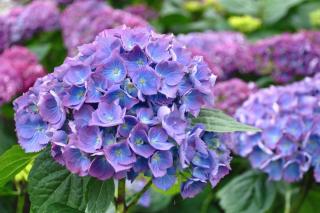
[61, 208]
[41, 50]
[311, 203]
[274, 10]
[248, 7]
[51, 183]
[249, 192]
[12, 162]
[158, 202]
[99, 195]
[300, 18]
[216, 121]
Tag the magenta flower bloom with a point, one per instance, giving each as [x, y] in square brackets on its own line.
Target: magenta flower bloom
[142, 11]
[288, 56]
[123, 106]
[83, 20]
[19, 70]
[21, 23]
[4, 34]
[288, 146]
[231, 94]
[225, 52]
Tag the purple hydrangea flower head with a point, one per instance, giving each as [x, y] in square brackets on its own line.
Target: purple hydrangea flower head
[4, 33]
[111, 116]
[25, 21]
[288, 56]
[231, 94]
[83, 20]
[289, 142]
[225, 52]
[19, 70]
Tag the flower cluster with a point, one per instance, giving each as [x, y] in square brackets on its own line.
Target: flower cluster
[289, 143]
[23, 22]
[122, 107]
[227, 51]
[19, 69]
[142, 11]
[4, 34]
[83, 20]
[230, 94]
[288, 56]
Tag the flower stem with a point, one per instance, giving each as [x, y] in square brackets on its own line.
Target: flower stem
[20, 199]
[136, 198]
[121, 198]
[287, 208]
[307, 183]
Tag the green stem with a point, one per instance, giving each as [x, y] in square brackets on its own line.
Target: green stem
[20, 199]
[207, 202]
[137, 197]
[20, 203]
[121, 198]
[287, 208]
[303, 193]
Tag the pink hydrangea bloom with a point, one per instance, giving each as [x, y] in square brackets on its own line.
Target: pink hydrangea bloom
[232, 93]
[142, 11]
[227, 51]
[23, 22]
[83, 20]
[19, 69]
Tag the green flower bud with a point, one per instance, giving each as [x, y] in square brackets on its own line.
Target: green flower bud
[314, 18]
[245, 23]
[23, 175]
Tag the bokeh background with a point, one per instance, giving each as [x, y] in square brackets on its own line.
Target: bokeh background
[248, 44]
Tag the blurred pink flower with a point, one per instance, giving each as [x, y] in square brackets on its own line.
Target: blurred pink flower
[19, 69]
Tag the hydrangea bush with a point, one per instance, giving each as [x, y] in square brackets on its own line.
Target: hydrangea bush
[142, 11]
[122, 107]
[288, 57]
[230, 94]
[228, 52]
[289, 144]
[22, 22]
[19, 70]
[83, 20]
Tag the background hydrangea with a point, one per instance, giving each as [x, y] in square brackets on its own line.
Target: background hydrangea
[23, 22]
[83, 20]
[122, 107]
[230, 94]
[288, 57]
[289, 143]
[19, 69]
[142, 11]
[227, 51]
